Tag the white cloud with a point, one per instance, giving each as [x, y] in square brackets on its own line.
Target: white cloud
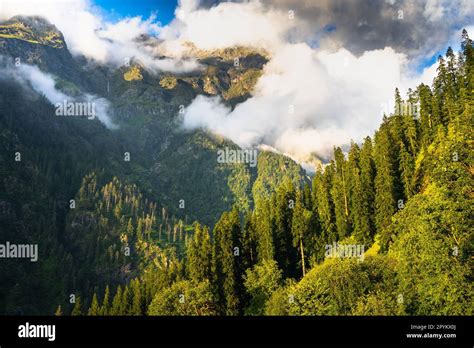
[40, 82]
[334, 95]
[32, 76]
[87, 32]
[227, 24]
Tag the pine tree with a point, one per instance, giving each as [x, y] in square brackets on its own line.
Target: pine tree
[226, 267]
[398, 103]
[323, 213]
[367, 180]
[410, 128]
[440, 110]
[360, 214]
[77, 310]
[105, 308]
[407, 168]
[263, 223]
[249, 243]
[324, 205]
[117, 303]
[94, 309]
[136, 304]
[285, 254]
[450, 92]
[340, 195]
[199, 254]
[385, 200]
[59, 311]
[125, 304]
[307, 197]
[426, 114]
[300, 228]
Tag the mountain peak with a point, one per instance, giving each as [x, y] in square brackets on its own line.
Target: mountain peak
[33, 29]
[227, 53]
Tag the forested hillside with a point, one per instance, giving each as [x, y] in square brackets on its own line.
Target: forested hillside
[141, 219]
[403, 198]
[46, 161]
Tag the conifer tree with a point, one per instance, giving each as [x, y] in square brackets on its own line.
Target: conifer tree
[226, 259]
[410, 126]
[385, 200]
[263, 223]
[94, 309]
[300, 228]
[77, 310]
[59, 311]
[199, 254]
[398, 103]
[307, 197]
[360, 214]
[407, 168]
[440, 112]
[426, 114]
[136, 303]
[249, 243]
[117, 303]
[323, 214]
[323, 202]
[367, 180]
[285, 254]
[340, 194]
[125, 304]
[105, 308]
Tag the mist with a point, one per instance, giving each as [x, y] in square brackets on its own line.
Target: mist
[88, 33]
[309, 99]
[30, 76]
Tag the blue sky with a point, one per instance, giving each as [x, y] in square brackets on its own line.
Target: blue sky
[115, 10]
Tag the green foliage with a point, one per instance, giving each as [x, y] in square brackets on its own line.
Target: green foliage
[433, 272]
[406, 194]
[185, 298]
[59, 311]
[302, 230]
[273, 170]
[261, 282]
[77, 310]
[105, 308]
[279, 302]
[94, 309]
[331, 288]
[199, 254]
[385, 199]
[227, 271]
[339, 193]
[263, 225]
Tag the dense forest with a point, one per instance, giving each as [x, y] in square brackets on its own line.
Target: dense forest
[397, 209]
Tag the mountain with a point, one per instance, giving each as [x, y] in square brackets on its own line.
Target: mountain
[167, 164]
[145, 106]
[131, 215]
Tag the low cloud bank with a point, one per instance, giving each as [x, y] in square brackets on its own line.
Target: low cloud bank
[32, 77]
[308, 99]
[332, 74]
